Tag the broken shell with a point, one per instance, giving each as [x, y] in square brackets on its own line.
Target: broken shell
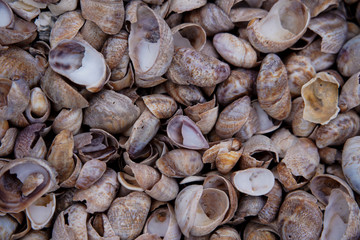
[147, 236]
[212, 18]
[319, 6]
[180, 163]
[225, 232]
[127, 215]
[99, 228]
[62, 6]
[258, 151]
[284, 33]
[29, 143]
[34, 177]
[320, 96]
[68, 119]
[7, 15]
[111, 111]
[349, 96]
[265, 123]
[271, 208]
[186, 95]
[349, 162]
[36, 235]
[39, 108]
[7, 142]
[184, 133]
[160, 105]
[344, 126]
[191, 67]
[249, 206]
[41, 211]
[272, 87]
[9, 226]
[329, 155]
[99, 196]
[348, 58]
[90, 173]
[300, 126]
[180, 6]
[151, 46]
[253, 181]
[162, 222]
[233, 117]
[234, 50]
[341, 218]
[146, 176]
[246, 14]
[210, 154]
[77, 61]
[225, 160]
[166, 189]
[300, 217]
[189, 35]
[108, 15]
[204, 115]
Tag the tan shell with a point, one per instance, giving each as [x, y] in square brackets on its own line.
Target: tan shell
[272, 88]
[341, 218]
[41, 211]
[344, 126]
[99, 196]
[227, 233]
[38, 179]
[160, 105]
[189, 35]
[62, 6]
[166, 189]
[300, 126]
[68, 119]
[147, 236]
[108, 15]
[36, 235]
[39, 108]
[189, 66]
[186, 95]
[29, 143]
[228, 145]
[284, 33]
[246, 14]
[265, 123]
[234, 50]
[114, 109]
[151, 46]
[329, 155]
[300, 217]
[349, 97]
[271, 208]
[250, 127]
[91, 33]
[249, 206]
[7, 142]
[180, 6]
[225, 160]
[127, 215]
[99, 228]
[90, 173]
[256, 231]
[320, 96]
[347, 59]
[349, 163]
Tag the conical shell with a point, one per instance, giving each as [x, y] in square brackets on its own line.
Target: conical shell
[300, 126]
[68, 119]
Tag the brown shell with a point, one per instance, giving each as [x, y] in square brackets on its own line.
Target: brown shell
[68, 119]
[90, 173]
[186, 95]
[160, 105]
[91, 33]
[348, 57]
[29, 142]
[166, 189]
[189, 35]
[349, 96]
[271, 208]
[300, 126]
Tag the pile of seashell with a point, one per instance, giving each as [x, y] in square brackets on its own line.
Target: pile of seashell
[179, 119]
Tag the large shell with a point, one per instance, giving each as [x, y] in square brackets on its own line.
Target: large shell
[320, 96]
[166, 189]
[127, 215]
[271, 208]
[348, 57]
[108, 15]
[349, 162]
[151, 46]
[286, 22]
[41, 211]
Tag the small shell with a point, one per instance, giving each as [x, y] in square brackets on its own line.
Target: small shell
[29, 143]
[234, 50]
[90, 173]
[146, 176]
[272, 87]
[318, 6]
[180, 6]
[39, 108]
[166, 189]
[225, 160]
[349, 162]
[68, 119]
[63, 6]
[41, 211]
[300, 217]
[253, 181]
[108, 15]
[99, 228]
[251, 126]
[329, 155]
[284, 33]
[255, 231]
[246, 14]
[186, 95]
[338, 130]
[127, 215]
[180, 163]
[212, 18]
[249, 206]
[189, 35]
[349, 96]
[265, 123]
[7, 142]
[147, 236]
[300, 126]
[160, 105]
[191, 67]
[348, 58]
[271, 208]
[226, 232]
[92, 34]
[341, 218]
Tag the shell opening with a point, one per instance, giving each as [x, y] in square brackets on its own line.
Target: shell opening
[42, 210]
[159, 223]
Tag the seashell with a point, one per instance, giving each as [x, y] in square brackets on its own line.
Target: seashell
[271, 208]
[129, 182]
[272, 87]
[265, 123]
[38, 109]
[62, 6]
[127, 215]
[191, 67]
[299, 217]
[99, 196]
[41, 211]
[300, 70]
[353, 30]
[209, 49]
[212, 18]
[321, 187]
[147, 236]
[91, 172]
[225, 161]
[283, 34]
[70, 182]
[319, 6]
[253, 181]
[166, 189]
[180, 6]
[28, 186]
[36, 235]
[143, 130]
[170, 164]
[258, 151]
[250, 127]
[8, 20]
[92, 34]
[15, 96]
[60, 92]
[99, 228]
[29, 143]
[199, 211]
[238, 84]
[68, 119]
[151, 44]
[66, 27]
[108, 15]
[228, 145]
[347, 59]
[248, 206]
[7, 141]
[189, 35]
[300, 126]
[329, 155]
[60, 155]
[338, 130]
[44, 23]
[186, 95]
[111, 111]
[184, 133]
[162, 222]
[160, 105]
[341, 217]
[146, 176]
[246, 14]
[349, 97]
[71, 223]
[332, 29]
[234, 50]
[349, 162]
[233, 117]
[225, 232]
[73, 59]
[255, 231]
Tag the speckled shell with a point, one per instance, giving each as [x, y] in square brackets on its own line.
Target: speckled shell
[272, 88]
[99, 228]
[348, 57]
[189, 35]
[160, 105]
[271, 208]
[349, 96]
[127, 215]
[166, 189]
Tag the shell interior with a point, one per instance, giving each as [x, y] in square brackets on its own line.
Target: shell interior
[5, 15]
[41, 211]
[159, 222]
